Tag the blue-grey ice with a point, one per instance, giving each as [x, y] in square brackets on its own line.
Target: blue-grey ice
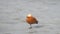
[13, 14]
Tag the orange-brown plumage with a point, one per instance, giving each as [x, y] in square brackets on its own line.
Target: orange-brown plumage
[31, 20]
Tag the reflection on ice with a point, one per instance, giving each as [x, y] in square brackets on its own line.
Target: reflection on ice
[32, 31]
[38, 26]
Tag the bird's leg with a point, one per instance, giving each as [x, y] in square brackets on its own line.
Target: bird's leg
[30, 26]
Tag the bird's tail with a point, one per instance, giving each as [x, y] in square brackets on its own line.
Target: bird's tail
[36, 22]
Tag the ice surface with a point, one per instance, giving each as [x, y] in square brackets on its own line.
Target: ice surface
[13, 14]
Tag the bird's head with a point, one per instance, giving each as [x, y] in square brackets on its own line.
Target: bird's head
[29, 15]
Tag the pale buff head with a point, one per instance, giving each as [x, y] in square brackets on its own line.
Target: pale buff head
[29, 15]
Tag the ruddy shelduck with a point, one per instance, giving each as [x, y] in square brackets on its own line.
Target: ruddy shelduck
[31, 20]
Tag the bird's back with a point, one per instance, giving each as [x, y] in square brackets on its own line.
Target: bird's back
[31, 20]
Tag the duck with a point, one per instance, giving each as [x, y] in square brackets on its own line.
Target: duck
[31, 20]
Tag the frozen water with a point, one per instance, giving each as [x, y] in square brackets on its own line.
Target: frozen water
[13, 14]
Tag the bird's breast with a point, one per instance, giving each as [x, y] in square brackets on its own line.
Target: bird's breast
[31, 20]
